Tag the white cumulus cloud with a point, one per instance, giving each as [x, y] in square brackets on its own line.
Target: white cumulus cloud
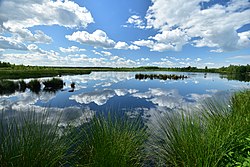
[71, 49]
[98, 38]
[214, 26]
[125, 46]
[135, 21]
[29, 13]
[17, 16]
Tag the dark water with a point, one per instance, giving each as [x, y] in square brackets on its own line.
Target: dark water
[121, 93]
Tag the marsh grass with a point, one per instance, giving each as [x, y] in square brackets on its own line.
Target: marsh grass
[53, 84]
[22, 85]
[34, 85]
[34, 140]
[204, 138]
[38, 73]
[111, 142]
[8, 87]
[217, 135]
[28, 140]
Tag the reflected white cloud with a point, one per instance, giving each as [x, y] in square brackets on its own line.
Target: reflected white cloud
[73, 116]
[24, 100]
[212, 90]
[20, 103]
[103, 79]
[123, 92]
[106, 84]
[100, 97]
[171, 99]
[159, 97]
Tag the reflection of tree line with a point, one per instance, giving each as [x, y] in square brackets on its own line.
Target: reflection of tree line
[50, 85]
[160, 76]
[238, 77]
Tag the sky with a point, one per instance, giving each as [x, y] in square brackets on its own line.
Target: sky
[125, 33]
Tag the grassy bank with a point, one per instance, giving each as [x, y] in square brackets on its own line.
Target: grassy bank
[216, 135]
[12, 71]
[38, 73]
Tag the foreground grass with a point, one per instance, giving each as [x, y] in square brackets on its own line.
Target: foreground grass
[30, 141]
[111, 142]
[217, 135]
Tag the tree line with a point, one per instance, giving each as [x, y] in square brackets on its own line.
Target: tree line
[231, 69]
[4, 64]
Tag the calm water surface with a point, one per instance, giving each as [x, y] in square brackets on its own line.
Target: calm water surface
[120, 92]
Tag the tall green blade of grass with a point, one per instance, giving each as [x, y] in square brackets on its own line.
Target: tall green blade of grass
[111, 142]
[205, 138]
[30, 141]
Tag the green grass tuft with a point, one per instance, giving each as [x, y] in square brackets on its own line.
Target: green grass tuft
[28, 140]
[53, 84]
[34, 85]
[8, 87]
[217, 135]
[111, 142]
[206, 138]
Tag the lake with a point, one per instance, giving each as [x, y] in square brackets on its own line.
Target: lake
[121, 93]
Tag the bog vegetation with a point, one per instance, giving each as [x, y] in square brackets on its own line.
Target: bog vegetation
[216, 135]
[12, 71]
[160, 76]
[9, 87]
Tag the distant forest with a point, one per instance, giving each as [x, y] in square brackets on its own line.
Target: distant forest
[231, 69]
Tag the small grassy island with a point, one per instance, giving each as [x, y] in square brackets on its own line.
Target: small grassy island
[53, 84]
[9, 87]
[159, 76]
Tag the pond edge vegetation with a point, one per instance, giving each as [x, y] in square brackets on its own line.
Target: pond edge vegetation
[12, 71]
[216, 135]
[35, 85]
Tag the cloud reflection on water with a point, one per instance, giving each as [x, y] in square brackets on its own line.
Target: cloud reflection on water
[100, 97]
[146, 98]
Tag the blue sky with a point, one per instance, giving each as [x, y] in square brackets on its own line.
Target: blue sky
[125, 33]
